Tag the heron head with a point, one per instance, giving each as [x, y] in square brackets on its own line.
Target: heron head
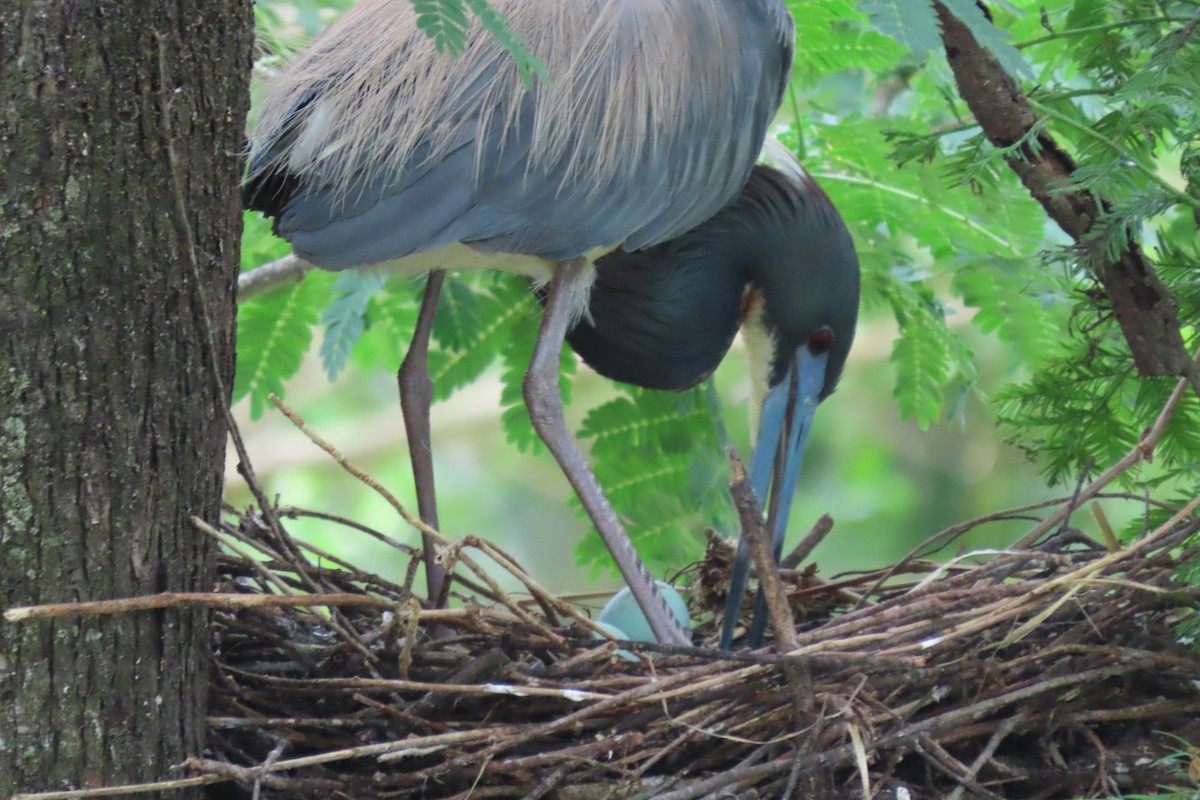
[800, 309]
[800, 312]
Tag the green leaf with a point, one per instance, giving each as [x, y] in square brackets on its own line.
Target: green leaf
[393, 315]
[495, 24]
[920, 364]
[658, 457]
[912, 23]
[274, 333]
[483, 321]
[1020, 309]
[345, 318]
[259, 245]
[274, 330]
[445, 22]
[448, 24]
[831, 36]
[458, 319]
[939, 211]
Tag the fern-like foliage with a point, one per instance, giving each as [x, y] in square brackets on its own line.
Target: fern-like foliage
[275, 330]
[927, 355]
[274, 334]
[912, 23]
[915, 228]
[1024, 309]
[345, 319]
[1084, 411]
[447, 22]
[391, 316]
[659, 458]
[832, 36]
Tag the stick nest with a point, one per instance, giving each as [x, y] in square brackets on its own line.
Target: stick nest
[1052, 672]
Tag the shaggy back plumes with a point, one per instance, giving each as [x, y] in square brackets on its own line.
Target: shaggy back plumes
[665, 96]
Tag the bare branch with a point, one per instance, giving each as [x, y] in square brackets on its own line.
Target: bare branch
[282, 272]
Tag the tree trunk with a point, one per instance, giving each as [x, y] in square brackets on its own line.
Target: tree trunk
[120, 131]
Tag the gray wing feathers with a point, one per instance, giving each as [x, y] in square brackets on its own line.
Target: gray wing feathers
[651, 122]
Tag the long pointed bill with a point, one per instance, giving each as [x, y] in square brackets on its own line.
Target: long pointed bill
[784, 422]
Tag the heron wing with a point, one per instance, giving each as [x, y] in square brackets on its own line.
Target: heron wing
[649, 124]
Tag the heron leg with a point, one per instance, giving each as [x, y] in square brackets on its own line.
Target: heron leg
[544, 401]
[416, 396]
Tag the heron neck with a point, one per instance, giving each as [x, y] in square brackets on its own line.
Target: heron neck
[662, 318]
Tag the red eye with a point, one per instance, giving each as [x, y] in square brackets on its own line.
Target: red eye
[820, 342]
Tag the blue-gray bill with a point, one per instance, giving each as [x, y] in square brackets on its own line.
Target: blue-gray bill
[784, 423]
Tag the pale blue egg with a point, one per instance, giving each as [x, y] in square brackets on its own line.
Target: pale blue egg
[622, 612]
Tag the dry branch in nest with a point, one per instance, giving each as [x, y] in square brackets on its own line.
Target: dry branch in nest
[1045, 673]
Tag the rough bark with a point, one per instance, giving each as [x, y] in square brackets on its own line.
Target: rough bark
[1142, 304]
[120, 131]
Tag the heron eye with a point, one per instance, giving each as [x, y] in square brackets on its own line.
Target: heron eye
[820, 342]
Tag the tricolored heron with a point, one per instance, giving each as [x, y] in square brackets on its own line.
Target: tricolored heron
[777, 262]
[374, 148]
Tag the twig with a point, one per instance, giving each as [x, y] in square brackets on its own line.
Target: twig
[799, 677]
[269, 578]
[860, 759]
[295, 512]
[1074, 502]
[1008, 726]
[282, 272]
[944, 537]
[750, 516]
[396, 685]
[1145, 543]
[548, 783]
[941, 760]
[1142, 451]
[162, 600]
[122, 791]
[350, 467]
[244, 723]
[182, 599]
[260, 775]
[536, 589]
[820, 529]
[751, 774]
[648, 693]
[516, 608]
[412, 745]
[400, 713]
[404, 663]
